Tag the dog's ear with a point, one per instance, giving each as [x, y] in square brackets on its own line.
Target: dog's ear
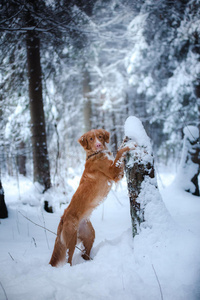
[106, 136]
[83, 141]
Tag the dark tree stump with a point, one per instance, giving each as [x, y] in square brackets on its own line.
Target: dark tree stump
[189, 168]
[3, 208]
[135, 175]
[140, 173]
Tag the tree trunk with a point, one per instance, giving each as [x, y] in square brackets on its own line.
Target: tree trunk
[38, 130]
[140, 174]
[113, 135]
[195, 157]
[3, 208]
[21, 159]
[136, 170]
[39, 144]
[189, 168]
[87, 101]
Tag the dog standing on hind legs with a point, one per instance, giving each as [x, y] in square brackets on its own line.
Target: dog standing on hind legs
[99, 174]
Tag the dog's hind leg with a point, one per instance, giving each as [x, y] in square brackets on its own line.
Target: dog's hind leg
[71, 247]
[69, 237]
[86, 234]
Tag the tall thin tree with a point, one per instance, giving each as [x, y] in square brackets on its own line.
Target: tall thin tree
[39, 143]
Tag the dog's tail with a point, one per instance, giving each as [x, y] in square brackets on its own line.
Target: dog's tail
[65, 242]
[59, 253]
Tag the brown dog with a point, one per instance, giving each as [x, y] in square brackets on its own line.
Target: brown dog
[96, 181]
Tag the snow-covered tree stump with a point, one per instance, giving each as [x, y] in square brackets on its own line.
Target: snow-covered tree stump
[3, 208]
[189, 168]
[139, 170]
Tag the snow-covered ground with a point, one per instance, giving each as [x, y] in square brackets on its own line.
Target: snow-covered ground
[162, 261]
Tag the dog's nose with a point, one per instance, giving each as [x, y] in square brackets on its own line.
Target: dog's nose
[98, 145]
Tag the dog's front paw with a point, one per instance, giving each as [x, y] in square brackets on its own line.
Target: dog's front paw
[130, 147]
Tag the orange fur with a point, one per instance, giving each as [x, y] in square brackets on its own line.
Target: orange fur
[96, 181]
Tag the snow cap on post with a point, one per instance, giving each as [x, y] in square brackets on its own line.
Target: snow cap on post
[140, 173]
[135, 132]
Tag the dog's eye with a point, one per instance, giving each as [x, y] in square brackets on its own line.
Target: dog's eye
[91, 139]
[100, 136]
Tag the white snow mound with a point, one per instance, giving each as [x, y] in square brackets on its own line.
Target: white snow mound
[134, 129]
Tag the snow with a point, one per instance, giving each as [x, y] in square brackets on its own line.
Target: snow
[122, 268]
[134, 130]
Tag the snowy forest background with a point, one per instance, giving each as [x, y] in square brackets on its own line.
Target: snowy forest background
[101, 61]
[67, 67]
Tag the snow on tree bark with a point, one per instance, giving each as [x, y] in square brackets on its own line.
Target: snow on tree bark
[140, 173]
[189, 168]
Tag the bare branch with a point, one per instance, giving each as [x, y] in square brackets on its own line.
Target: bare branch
[3, 290]
[158, 282]
[36, 223]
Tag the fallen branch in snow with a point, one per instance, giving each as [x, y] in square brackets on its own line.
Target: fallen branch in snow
[50, 232]
[11, 256]
[34, 242]
[3, 290]
[36, 223]
[158, 282]
[45, 231]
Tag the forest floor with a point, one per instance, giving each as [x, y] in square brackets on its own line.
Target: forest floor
[162, 262]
